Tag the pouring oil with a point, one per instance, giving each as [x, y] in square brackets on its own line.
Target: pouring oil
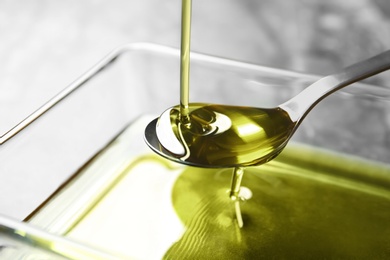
[184, 97]
[185, 59]
[184, 116]
[234, 134]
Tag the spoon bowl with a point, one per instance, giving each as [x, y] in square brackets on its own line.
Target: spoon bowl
[221, 136]
[233, 136]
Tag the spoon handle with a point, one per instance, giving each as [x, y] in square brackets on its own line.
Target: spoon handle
[298, 106]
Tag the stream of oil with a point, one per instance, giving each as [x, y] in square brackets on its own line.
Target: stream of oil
[185, 59]
[234, 143]
[184, 116]
[184, 100]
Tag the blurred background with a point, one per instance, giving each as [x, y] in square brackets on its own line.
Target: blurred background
[46, 44]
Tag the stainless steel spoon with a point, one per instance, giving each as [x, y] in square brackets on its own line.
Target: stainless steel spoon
[234, 136]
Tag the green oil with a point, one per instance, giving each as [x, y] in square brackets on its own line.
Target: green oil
[229, 136]
[305, 205]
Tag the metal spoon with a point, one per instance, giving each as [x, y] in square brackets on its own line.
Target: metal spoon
[234, 136]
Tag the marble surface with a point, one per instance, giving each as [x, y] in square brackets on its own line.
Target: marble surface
[47, 44]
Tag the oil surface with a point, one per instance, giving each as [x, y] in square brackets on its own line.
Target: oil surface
[228, 136]
[304, 206]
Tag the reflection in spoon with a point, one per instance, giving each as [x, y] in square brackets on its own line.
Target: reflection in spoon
[234, 136]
